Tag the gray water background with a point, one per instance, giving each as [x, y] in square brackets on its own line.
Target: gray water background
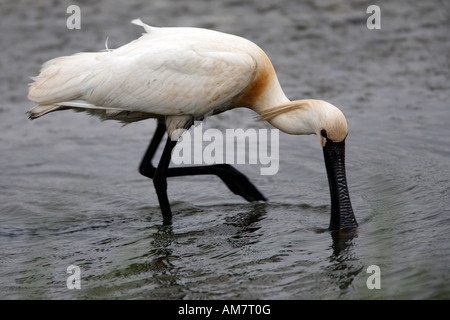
[70, 193]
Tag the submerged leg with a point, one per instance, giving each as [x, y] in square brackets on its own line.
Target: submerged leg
[160, 180]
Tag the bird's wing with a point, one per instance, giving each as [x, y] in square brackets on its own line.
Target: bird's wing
[169, 71]
[169, 79]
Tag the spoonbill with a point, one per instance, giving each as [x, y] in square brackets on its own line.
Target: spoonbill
[182, 75]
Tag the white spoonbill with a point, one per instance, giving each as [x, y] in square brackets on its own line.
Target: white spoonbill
[178, 75]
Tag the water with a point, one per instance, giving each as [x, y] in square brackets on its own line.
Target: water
[71, 194]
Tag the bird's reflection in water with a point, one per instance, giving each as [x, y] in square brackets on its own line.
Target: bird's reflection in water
[164, 273]
[343, 265]
[246, 223]
[165, 262]
[163, 268]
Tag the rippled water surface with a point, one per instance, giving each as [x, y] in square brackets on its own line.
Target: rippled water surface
[70, 193]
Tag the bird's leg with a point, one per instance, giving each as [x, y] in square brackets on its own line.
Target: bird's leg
[237, 182]
[160, 180]
[146, 167]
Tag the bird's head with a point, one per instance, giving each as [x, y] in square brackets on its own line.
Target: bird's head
[329, 124]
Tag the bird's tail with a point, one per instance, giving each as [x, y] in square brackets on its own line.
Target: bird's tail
[62, 84]
[121, 115]
[65, 82]
[40, 110]
[63, 78]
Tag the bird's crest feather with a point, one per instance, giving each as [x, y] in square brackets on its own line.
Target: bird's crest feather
[273, 112]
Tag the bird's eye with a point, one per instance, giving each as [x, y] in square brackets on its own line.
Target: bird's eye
[323, 132]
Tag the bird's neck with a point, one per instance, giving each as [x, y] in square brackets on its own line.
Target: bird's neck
[266, 97]
[264, 90]
[269, 99]
[294, 117]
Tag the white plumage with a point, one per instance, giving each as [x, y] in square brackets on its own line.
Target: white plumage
[167, 71]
